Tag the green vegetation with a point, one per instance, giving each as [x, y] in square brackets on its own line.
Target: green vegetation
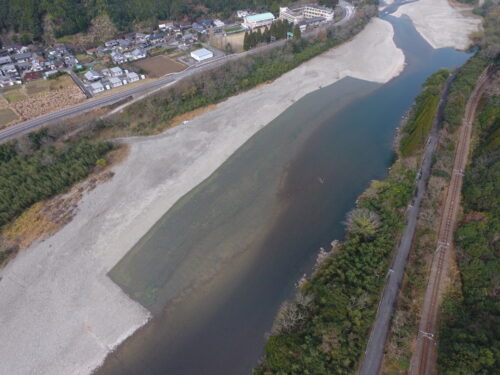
[470, 332]
[278, 30]
[462, 87]
[31, 18]
[363, 222]
[422, 114]
[35, 169]
[342, 295]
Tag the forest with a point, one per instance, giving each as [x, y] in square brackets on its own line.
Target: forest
[469, 336]
[35, 168]
[31, 18]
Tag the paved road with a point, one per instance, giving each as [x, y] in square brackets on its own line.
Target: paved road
[142, 90]
[375, 348]
[79, 83]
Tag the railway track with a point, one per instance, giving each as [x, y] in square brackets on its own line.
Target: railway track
[424, 358]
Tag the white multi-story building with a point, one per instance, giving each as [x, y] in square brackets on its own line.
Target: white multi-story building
[304, 12]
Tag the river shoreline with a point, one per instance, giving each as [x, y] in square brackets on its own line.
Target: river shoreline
[72, 315]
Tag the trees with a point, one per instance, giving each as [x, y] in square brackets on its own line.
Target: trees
[363, 222]
[26, 178]
[296, 32]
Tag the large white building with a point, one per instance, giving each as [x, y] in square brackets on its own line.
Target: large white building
[258, 20]
[202, 54]
[304, 12]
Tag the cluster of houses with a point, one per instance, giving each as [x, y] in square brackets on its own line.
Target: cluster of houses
[131, 48]
[107, 79]
[19, 63]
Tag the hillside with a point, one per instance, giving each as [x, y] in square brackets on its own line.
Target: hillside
[30, 19]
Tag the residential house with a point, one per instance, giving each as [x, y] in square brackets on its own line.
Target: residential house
[9, 69]
[198, 28]
[132, 77]
[49, 73]
[124, 44]
[5, 60]
[22, 57]
[97, 87]
[111, 43]
[23, 66]
[116, 71]
[117, 57]
[92, 76]
[139, 53]
[115, 82]
[218, 23]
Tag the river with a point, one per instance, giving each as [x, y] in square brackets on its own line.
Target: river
[215, 269]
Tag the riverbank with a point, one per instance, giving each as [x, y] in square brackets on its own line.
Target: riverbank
[70, 312]
[441, 24]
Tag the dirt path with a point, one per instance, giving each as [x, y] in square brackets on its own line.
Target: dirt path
[424, 358]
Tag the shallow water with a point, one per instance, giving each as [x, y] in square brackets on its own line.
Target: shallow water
[217, 266]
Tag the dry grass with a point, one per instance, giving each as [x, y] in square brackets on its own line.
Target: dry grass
[14, 96]
[178, 120]
[158, 66]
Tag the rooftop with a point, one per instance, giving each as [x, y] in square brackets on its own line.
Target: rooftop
[202, 52]
[260, 17]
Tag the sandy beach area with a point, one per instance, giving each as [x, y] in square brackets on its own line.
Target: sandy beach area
[440, 24]
[60, 313]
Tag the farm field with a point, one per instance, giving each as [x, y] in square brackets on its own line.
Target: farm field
[38, 97]
[7, 115]
[158, 66]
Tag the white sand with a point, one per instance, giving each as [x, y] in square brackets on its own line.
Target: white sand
[440, 24]
[59, 313]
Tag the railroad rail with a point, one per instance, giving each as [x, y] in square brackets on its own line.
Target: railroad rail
[424, 358]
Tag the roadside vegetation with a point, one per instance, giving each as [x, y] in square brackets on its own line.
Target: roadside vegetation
[422, 114]
[469, 335]
[462, 87]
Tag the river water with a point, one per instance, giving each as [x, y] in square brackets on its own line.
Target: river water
[215, 269]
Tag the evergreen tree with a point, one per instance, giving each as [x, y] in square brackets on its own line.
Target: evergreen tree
[246, 41]
[296, 32]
